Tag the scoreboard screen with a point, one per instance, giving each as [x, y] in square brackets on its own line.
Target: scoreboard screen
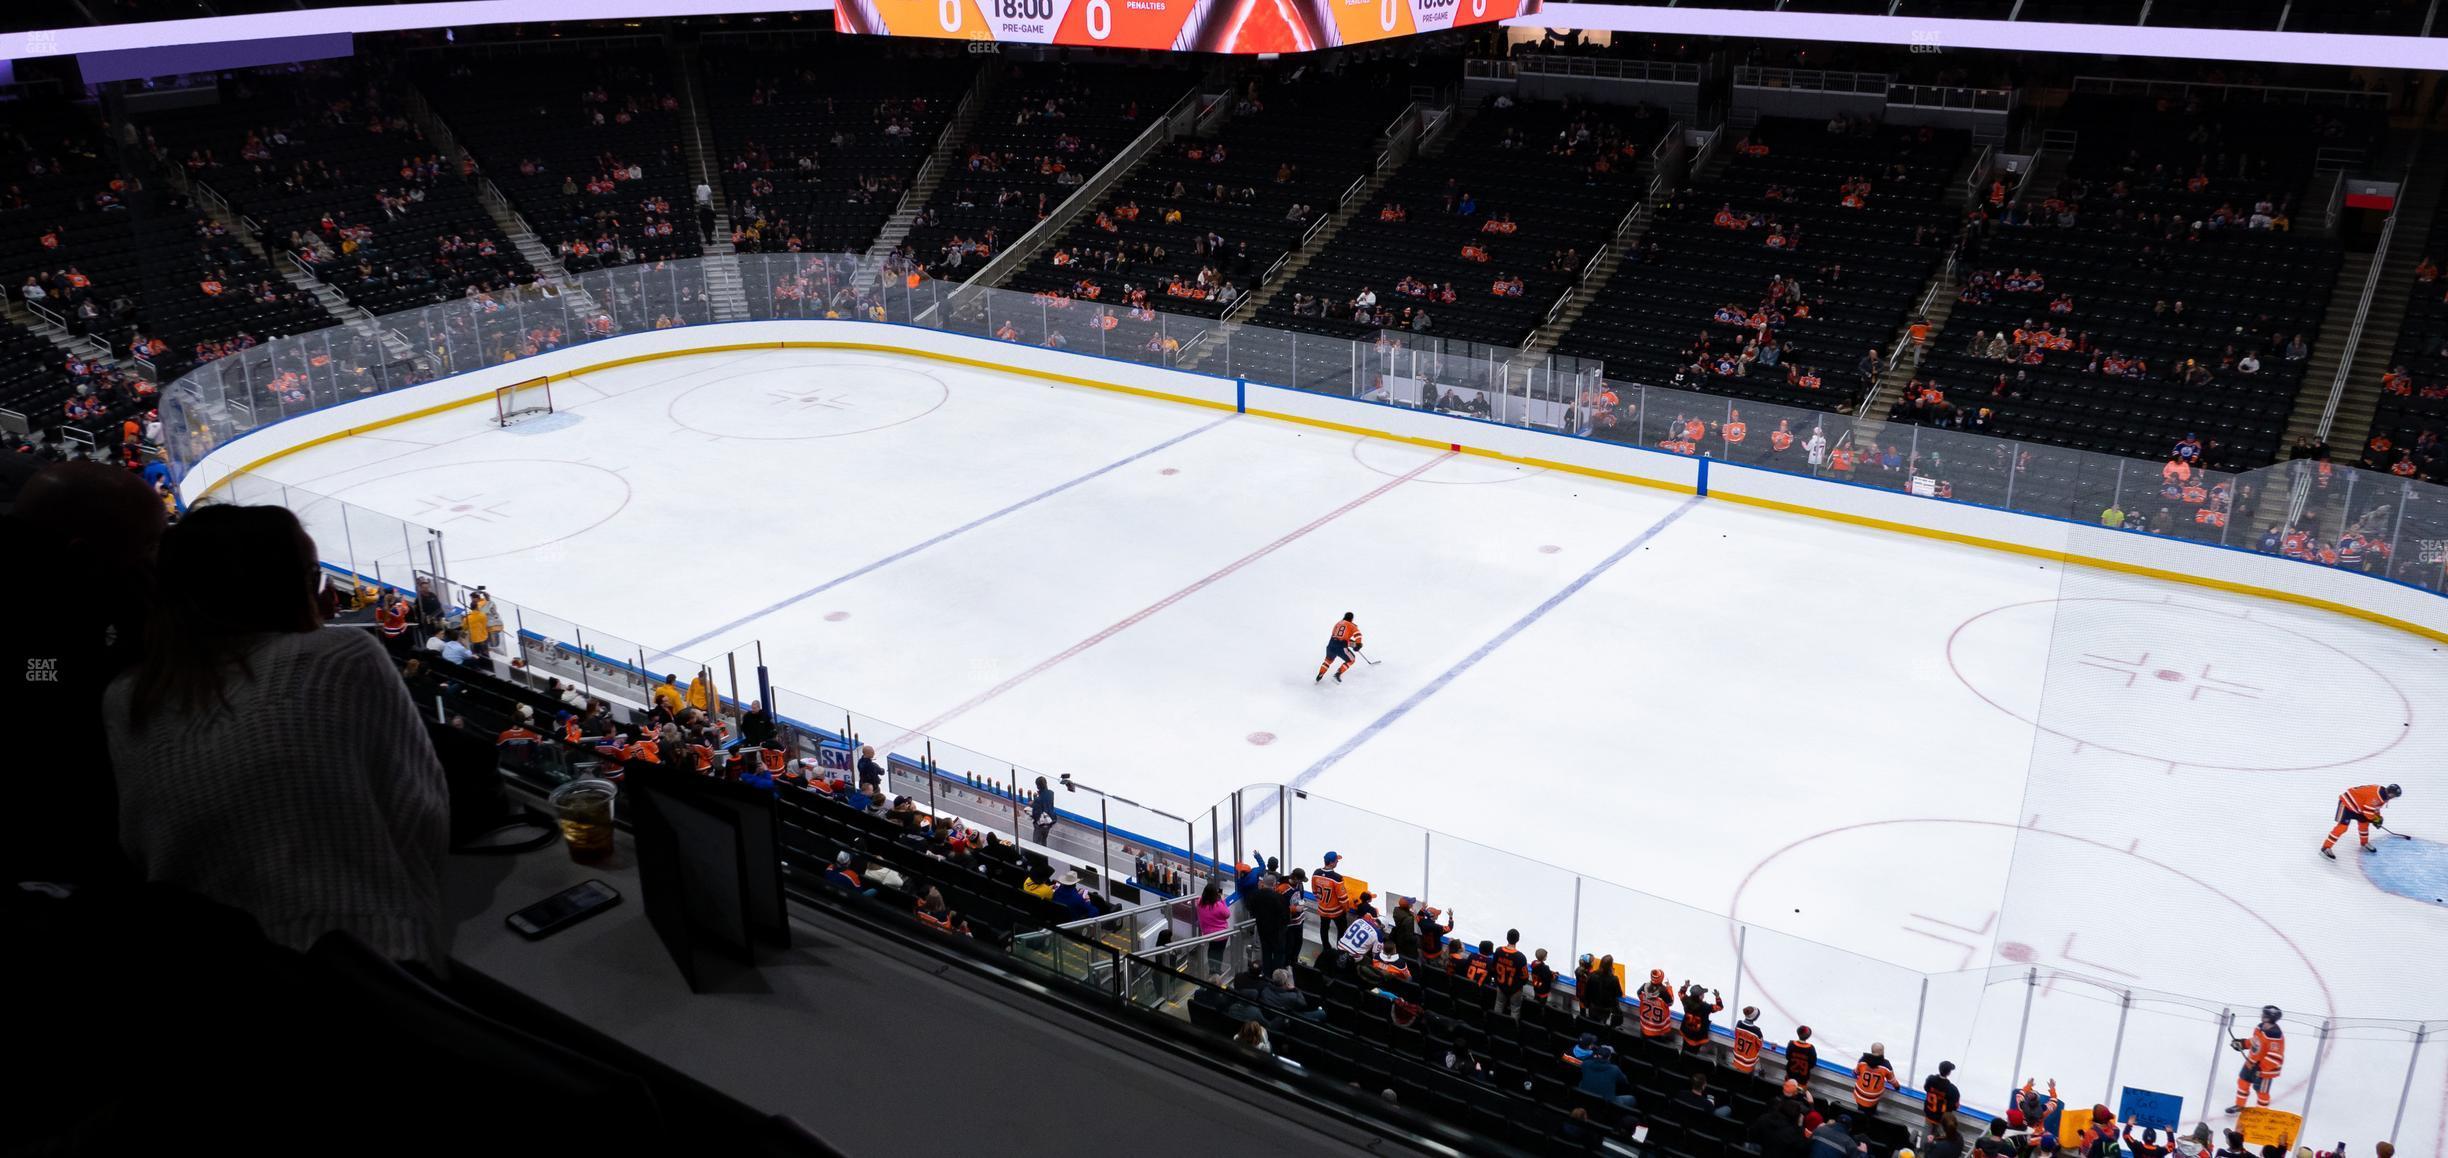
[1235, 26]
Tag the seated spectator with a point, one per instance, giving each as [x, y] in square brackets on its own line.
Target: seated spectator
[1697, 1098]
[1602, 1077]
[260, 753]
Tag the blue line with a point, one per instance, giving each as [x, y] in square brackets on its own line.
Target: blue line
[1701, 488]
[1467, 662]
[963, 529]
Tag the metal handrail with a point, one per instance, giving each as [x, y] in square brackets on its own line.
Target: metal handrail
[1606, 67]
[2354, 334]
[1813, 80]
[2150, 87]
[1980, 168]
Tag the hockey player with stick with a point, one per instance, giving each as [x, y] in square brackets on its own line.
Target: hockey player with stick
[1341, 643]
[2359, 807]
[2264, 1055]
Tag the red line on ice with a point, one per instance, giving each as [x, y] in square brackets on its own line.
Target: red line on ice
[1126, 623]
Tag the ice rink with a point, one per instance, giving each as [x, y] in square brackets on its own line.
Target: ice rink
[1955, 761]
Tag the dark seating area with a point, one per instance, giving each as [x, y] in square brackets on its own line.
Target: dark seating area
[338, 179]
[1484, 236]
[2160, 292]
[121, 262]
[1194, 227]
[1772, 280]
[586, 147]
[1047, 128]
[817, 149]
[2412, 412]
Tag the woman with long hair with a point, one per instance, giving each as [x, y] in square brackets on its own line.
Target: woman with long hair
[269, 762]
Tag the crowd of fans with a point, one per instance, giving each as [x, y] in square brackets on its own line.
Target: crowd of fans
[607, 182]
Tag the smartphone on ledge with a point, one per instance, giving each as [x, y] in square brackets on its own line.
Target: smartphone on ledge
[563, 909]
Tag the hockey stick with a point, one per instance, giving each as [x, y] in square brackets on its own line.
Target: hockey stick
[2392, 832]
[1372, 663]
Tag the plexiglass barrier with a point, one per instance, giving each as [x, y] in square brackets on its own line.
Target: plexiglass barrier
[2359, 1078]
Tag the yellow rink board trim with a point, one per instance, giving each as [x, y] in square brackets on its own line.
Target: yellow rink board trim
[2067, 557]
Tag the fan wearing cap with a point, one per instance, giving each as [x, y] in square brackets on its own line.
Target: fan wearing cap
[521, 731]
[1656, 1005]
[1334, 906]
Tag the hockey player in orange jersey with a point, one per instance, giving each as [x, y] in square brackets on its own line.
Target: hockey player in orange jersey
[2361, 808]
[2264, 1055]
[1340, 644]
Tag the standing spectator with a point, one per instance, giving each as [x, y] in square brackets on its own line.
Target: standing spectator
[1698, 1004]
[1212, 915]
[1334, 906]
[1747, 1041]
[1270, 908]
[1872, 1078]
[757, 726]
[1602, 1001]
[1402, 929]
[1940, 1099]
[1041, 811]
[1801, 1057]
[1656, 1006]
[478, 623]
[270, 763]
[1542, 978]
[1432, 931]
[870, 774]
[1995, 1143]
[1508, 972]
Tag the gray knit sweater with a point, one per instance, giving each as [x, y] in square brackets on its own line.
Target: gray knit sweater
[313, 800]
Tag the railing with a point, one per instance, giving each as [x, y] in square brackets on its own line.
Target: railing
[1605, 67]
[2354, 334]
[1929, 298]
[1499, 70]
[937, 152]
[210, 197]
[1934, 96]
[2335, 209]
[1022, 248]
[1813, 80]
[2266, 93]
[1980, 174]
[2074, 1018]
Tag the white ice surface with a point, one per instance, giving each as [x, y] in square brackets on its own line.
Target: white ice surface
[1822, 730]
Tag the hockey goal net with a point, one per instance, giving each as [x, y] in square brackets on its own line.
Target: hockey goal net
[522, 400]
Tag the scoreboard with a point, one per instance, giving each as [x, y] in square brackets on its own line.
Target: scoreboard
[1235, 26]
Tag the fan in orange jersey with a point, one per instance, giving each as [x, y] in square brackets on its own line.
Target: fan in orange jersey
[2361, 808]
[1341, 645]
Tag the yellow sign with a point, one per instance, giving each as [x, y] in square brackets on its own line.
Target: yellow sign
[2263, 1126]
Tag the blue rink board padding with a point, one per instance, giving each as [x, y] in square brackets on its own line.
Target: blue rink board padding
[2414, 869]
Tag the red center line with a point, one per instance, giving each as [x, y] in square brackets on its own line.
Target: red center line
[1136, 617]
